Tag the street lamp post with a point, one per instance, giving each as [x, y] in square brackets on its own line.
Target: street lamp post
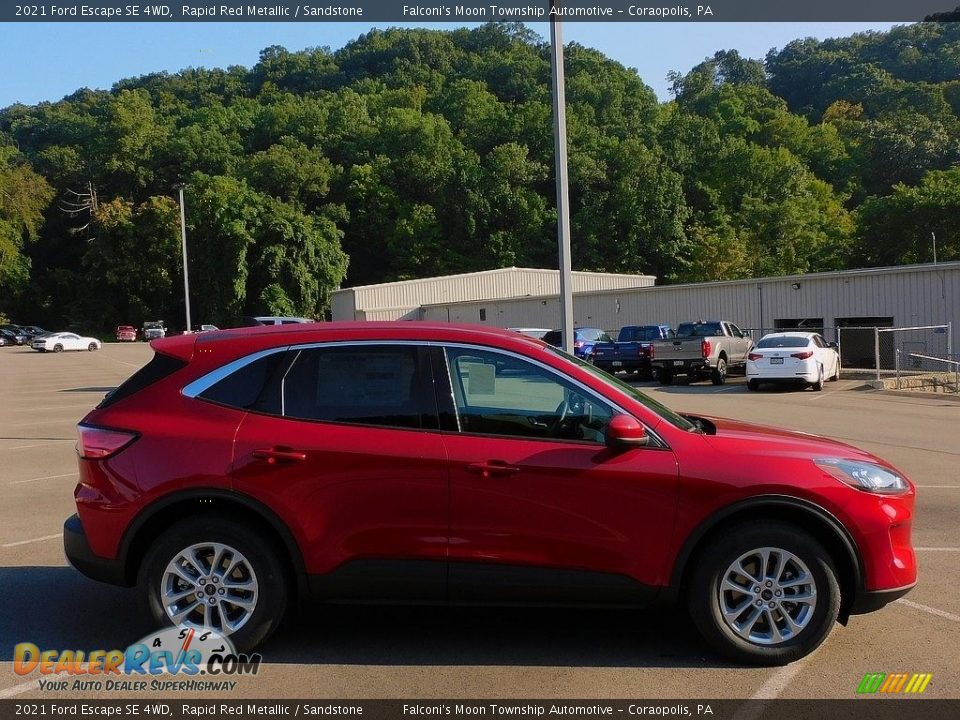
[563, 189]
[183, 242]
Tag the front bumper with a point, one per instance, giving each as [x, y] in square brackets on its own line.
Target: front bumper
[79, 554]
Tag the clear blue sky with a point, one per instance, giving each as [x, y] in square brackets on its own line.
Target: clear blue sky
[45, 61]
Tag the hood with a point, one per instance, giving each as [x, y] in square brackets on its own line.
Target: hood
[742, 438]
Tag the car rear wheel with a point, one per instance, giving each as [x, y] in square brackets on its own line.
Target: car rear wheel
[217, 574]
[719, 376]
[753, 385]
[58, 348]
[836, 373]
[818, 385]
[764, 593]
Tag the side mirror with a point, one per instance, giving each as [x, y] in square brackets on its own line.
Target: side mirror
[625, 432]
[746, 333]
[835, 346]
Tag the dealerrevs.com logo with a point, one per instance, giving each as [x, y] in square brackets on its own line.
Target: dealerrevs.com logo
[894, 683]
[183, 652]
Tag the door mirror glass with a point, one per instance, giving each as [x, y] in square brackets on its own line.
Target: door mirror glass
[834, 345]
[625, 432]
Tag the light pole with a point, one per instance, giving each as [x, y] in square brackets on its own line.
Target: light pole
[183, 242]
[563, 188]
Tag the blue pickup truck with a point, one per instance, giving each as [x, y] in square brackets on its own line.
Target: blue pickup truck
[631, 352]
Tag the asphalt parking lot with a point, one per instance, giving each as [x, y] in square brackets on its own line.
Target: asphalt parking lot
[491, 653]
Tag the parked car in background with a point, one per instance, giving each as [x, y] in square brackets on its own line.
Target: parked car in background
[469, 465]
[536, 333]
[802, 358]
[8, 338]
[631, 352]
[207, 328]
[153, 330]
[34, 331]
[249, 321]
[702, 350]
[58, 342]
[126, 333]
[583, 340]
[15, 334]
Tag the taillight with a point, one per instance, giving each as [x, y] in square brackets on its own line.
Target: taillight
[802, 355]
[651, 352]
[705, 348]
[754, 356]
[99, 443]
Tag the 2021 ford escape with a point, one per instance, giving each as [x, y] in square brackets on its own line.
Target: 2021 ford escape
[242, 470]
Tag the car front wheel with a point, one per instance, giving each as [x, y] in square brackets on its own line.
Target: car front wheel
[217, 574]
[764, 593]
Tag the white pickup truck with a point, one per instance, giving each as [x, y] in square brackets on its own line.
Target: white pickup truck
[702, 350]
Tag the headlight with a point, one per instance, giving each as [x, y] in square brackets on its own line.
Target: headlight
[864, 476]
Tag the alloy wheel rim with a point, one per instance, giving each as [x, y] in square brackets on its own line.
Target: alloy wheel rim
[767, 596]
[209, 585]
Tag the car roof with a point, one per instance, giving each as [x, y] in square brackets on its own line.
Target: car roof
[238, 341]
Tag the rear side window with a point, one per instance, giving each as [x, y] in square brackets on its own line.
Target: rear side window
[248, 388]
[160, 367]
[388, 385]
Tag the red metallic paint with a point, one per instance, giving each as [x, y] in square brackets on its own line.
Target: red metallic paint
[402, 494]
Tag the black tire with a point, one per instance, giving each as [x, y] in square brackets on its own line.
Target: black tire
[753, 385]
[719, 375]
[91, 347]
[836, 375]
[704, 603]
[818, 385]
[665, 377]
[263, 557]
[58, 348]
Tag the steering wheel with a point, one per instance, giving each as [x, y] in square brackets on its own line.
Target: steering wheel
[571, 406]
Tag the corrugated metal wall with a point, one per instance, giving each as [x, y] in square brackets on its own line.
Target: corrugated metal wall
[396, 300]
[919, 295]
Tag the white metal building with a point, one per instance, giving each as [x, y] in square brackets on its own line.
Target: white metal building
[901, 296]
[521, 297]
[406, 300]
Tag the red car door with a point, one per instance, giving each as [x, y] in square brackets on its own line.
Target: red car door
[540, 508]
[345, 451]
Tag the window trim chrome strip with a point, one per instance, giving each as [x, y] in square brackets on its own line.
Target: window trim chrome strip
[205, 382]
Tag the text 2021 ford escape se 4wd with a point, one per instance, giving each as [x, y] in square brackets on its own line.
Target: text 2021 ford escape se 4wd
[417, 462]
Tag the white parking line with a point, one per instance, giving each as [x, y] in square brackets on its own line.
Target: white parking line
[773, 687]
[937, 549]
[27, 542]
[45, 477]
[927, 609]
[19, 689]
[24, 447]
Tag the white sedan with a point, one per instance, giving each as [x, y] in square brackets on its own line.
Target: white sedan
[798, 357]
[58, 342]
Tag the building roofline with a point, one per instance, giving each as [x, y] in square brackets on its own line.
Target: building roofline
[922, 267]
[494, 271]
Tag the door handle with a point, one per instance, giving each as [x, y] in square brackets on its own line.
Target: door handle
[493, 468]
[279, 454]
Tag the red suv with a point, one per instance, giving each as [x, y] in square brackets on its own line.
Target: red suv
[241, 470]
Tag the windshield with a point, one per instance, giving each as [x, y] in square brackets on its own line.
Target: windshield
[648, 402]
[688, 330]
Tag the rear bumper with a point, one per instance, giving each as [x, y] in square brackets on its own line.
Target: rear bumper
[627, 364]
[683, 367]
[79, 554]
[868, 601]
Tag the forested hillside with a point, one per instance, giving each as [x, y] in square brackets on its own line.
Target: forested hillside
[417, 152]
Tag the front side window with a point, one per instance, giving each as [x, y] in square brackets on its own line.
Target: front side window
[497, 394]
[380, 385]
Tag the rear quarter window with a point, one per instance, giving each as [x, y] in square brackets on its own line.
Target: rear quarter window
[157, 369]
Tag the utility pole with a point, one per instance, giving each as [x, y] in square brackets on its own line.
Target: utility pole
[563, 188]
[934, 236]
[183, 242]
